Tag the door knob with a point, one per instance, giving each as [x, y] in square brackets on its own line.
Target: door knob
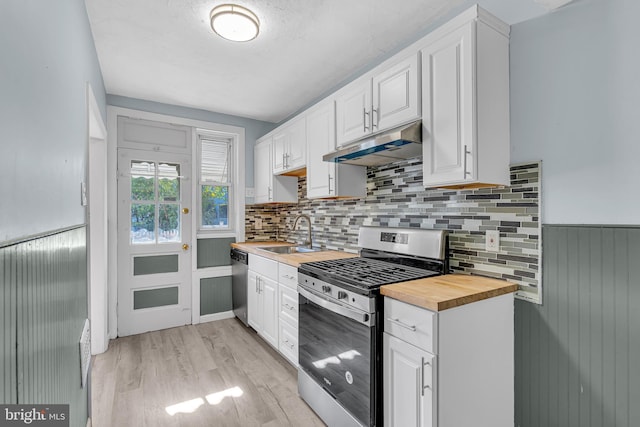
[185, 247]
[185, 210]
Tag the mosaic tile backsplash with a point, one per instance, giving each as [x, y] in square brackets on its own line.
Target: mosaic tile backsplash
[396, 198]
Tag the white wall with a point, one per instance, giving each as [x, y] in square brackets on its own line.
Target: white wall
[575, 104]
[46, 57]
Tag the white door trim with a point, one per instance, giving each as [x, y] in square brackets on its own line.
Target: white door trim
[97, 221]
[112, 197]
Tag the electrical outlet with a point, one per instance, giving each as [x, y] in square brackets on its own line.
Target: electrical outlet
[492, 240]
[249, 192]
[258, 224]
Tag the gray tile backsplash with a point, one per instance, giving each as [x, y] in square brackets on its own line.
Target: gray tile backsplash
[396, 198]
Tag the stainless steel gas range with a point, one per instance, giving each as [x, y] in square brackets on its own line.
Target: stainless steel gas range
[340, 320]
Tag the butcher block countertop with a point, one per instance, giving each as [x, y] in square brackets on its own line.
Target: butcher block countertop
[448, 291]
[294, 259]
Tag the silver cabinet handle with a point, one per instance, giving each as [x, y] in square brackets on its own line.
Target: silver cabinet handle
[269, 194]
[259, 285]
[330, 178]
[422, 384]
[375, 122]
[289, 307]
[465, 154]
[364, 119]
[402, 324]
[286, 341]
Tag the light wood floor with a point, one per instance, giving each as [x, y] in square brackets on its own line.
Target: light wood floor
[139, 379]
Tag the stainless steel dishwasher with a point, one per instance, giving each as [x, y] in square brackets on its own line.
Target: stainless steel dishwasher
[239, 272]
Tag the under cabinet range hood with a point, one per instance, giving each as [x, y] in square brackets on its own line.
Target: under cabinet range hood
[404, 142]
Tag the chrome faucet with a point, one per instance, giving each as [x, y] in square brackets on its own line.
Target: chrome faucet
[295, 225]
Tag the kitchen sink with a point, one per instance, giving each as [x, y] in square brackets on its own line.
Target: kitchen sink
[289, 249]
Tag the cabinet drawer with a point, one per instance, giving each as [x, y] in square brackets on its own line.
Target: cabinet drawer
[288, 275]
[264, 266]
[288, 303]
[412, 324]
[288, 345]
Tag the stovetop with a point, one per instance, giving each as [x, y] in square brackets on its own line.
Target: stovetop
[363, 273]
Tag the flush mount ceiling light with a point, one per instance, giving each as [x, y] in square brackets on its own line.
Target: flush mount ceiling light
[234, 23]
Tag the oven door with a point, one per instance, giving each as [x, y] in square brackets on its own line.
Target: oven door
[335, 347]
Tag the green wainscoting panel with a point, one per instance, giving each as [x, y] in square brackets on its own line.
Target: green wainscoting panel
[50, 309]
[215, 295]
[155, 264]
[8, 318]
[214, 252]
[149, 298]
[577, 356]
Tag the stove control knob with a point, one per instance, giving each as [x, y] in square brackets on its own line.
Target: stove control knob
[342, 295]
[326, 289]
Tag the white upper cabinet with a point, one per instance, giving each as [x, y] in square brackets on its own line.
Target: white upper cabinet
[267, 187]
[327, 179]
[262, 171]
[465, 102]
[380, 101]
[396, 95]
[290, 147]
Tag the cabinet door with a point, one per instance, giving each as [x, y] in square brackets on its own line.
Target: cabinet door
[396, 95]
[263, 174]
[408, 378]
[296, 155]
[279, 150]
[353, 112]
[254, 307]
[269, 295]
[321, 140]
[448, 101]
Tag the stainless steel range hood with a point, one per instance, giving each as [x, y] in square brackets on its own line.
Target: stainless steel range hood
[404, 142]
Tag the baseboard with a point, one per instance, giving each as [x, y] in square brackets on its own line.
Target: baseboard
[217, 316]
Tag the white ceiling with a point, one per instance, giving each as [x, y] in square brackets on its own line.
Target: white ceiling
[165, 50]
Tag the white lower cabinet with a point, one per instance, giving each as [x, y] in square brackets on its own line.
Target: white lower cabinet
[452, 368]
[409, 383]
[288, 317]
[262, 299]
[272, 304]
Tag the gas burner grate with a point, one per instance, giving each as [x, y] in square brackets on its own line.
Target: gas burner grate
[364, 272]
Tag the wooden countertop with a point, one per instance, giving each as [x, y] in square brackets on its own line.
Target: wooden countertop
[447, 291]
[291, 259]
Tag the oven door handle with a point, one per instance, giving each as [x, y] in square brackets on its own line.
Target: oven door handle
[358, 316]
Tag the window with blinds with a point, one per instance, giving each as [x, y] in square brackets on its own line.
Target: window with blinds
[216, 190]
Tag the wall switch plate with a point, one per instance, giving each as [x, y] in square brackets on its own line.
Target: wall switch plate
[492, 240]
[258, 224]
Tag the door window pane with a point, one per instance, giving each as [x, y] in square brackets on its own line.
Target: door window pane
[143, 223]
[168, 182]
[143, 180]
[215, 206]
[169, 223]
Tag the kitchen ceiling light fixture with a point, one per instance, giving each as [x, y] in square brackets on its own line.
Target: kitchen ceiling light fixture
[235, 23]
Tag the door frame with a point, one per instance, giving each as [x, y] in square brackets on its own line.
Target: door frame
[97, 236]
[112, 198]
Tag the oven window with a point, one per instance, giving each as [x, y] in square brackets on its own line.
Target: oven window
[336, 352]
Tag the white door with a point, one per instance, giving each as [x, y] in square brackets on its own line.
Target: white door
[447, 108]
[279, 148]
[395, 95]
[263, 174]
[154, 230]
[409, 385]
[269, 296]
[254, 303]
[353, 112]
[296, 156]
[321, 140]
